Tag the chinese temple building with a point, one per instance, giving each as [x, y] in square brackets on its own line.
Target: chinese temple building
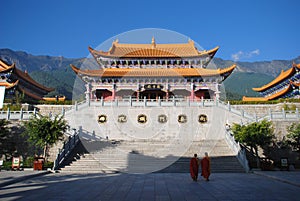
[153, 71]
[14, 79]
[286, 85]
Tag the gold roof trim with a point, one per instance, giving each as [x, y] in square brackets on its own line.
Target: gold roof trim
[147, 72]
[8, 85]
[4, 67]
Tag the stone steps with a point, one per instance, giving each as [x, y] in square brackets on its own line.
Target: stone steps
[143, 157]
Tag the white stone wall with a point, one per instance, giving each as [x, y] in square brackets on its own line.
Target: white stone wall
[133, 130]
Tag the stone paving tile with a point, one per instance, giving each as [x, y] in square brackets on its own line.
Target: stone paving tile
[164, 186]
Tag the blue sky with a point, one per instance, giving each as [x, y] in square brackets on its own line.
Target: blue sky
[245, 30]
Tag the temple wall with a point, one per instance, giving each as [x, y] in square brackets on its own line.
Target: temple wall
[263, 109]
[53, 109]
[133, 130]
[217, 118]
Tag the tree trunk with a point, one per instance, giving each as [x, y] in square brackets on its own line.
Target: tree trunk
[45, 152]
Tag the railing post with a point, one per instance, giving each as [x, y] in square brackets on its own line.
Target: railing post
[21, 114]
[202, 101]
[145, 101]
[80, 131]
[63, 111]
[102, 101]
[34, 112]
[130, 101]
[270, 114]
[174, 102]
[243, 113]
[76, 106]
[8, 114]
[255, 117]
[297, 113]
[283, 113]
[159, 101]
[229, 107]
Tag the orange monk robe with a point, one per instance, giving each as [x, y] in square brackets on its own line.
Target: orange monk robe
[194, 167]
[205, 166]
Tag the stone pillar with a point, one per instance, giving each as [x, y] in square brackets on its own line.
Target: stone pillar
[88, 92]
[192, 96]
[167, 91]
[137, 95]
[217, 92]
[138, 92]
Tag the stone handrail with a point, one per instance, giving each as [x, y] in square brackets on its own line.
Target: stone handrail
[240, 152]
[66, 150]
[17, 115]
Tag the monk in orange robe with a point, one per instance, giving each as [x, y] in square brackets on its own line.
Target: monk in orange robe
[205, 166]
[194, 167]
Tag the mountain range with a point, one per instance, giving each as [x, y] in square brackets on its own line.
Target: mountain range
[56, 72]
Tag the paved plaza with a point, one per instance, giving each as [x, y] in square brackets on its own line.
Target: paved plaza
[275, 185]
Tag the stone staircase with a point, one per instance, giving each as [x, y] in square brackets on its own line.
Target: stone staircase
[150, 156]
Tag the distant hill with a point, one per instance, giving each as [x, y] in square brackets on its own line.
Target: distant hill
[56, 72]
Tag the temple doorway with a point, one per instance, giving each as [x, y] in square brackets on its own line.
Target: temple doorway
[153, 94]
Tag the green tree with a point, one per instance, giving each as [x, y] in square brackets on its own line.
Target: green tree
[293, 136]
[11, 142]
[43, 131]
[254, 135]
[4, 138]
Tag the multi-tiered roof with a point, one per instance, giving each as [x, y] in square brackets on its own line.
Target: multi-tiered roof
[13, 78]
[286, 85]
[153, 60]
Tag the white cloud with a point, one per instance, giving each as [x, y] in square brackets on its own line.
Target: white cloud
[244, 55]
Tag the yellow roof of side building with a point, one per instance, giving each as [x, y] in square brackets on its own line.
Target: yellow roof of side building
[272, 97]
[283, 75]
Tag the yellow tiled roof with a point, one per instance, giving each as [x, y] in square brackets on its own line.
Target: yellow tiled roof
[283, 75]
[153, 50]
[272, 97]
[147, 72]
[5, 67]
[8, 85]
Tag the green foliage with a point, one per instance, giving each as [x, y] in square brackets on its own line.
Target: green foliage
[28, 163]
[48, 164]
[12, 107]
[7, 165]
[5, 145]
[42, 131]
[293, 136]
[245, 82]
[240, 102]
[289, 107]
[255, 134]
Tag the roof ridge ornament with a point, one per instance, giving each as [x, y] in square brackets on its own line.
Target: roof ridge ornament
[153, 44]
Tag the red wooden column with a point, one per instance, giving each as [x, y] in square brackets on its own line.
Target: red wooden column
[113, 93]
